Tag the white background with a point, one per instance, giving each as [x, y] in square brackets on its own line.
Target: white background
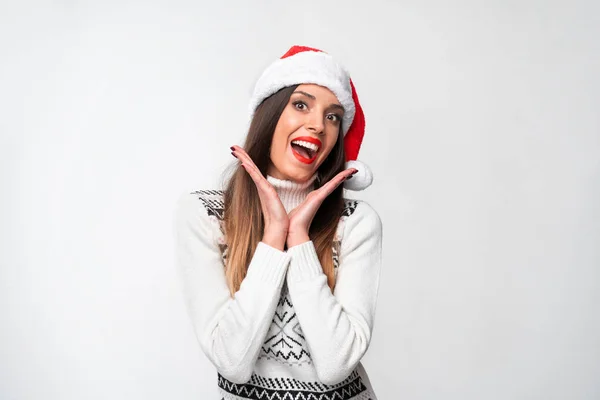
[483, 134]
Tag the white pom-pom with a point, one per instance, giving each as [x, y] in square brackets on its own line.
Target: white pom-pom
[362, 179]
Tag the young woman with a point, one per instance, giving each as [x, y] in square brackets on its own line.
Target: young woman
[279, 271]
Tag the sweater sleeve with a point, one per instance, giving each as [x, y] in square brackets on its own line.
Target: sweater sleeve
[338, 326]
[230, 331]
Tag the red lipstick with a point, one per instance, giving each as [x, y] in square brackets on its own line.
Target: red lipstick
[309, 140]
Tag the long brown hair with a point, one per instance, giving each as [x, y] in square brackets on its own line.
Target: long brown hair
[243, 219]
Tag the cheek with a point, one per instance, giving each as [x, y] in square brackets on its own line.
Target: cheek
[331, 140]
[279, 143]
[279, 139]
[288, 123]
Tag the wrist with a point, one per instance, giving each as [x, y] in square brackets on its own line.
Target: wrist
[276, 229]
[275, 238]
[275, 243]
[294, 239]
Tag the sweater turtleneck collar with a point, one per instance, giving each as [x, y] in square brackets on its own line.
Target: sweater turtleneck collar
[292, 193]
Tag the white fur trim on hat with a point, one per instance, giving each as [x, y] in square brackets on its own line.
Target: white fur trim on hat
[362, 179]
[307, 67]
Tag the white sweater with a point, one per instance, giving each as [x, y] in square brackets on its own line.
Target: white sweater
[284, 335]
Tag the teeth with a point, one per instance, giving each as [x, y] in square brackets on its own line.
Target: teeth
[308, 145]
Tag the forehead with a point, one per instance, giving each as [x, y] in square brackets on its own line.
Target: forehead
[320, 92]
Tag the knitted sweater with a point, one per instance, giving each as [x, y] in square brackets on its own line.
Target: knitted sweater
[284, 335]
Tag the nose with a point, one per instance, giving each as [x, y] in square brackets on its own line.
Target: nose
[314, 123]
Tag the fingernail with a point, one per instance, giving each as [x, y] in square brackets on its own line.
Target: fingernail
[232, 148]
[234, 155]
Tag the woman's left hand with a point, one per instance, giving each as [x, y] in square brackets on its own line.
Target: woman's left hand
[301, 217]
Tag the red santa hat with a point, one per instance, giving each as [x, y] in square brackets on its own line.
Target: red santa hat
[302, 64]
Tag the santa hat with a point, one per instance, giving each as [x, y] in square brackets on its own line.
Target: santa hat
[302, 64]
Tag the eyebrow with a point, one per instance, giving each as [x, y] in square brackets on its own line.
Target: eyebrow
[314, 98]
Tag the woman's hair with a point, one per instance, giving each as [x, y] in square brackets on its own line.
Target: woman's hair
[243, 220]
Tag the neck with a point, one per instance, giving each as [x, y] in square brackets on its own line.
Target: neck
[292, 193]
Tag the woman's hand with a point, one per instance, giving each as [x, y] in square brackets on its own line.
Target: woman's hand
[274, 214]
[301, 217]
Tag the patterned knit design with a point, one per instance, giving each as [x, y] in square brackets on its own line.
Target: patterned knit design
[351, 388]
[285, 341]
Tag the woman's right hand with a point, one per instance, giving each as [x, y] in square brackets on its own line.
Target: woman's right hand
[275, 216]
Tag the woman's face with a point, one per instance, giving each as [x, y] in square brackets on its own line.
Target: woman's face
[312, 118]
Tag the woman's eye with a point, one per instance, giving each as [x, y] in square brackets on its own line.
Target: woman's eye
[336, 118]
[298, 104]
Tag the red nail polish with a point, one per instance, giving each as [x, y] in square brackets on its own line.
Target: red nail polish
[234, 155]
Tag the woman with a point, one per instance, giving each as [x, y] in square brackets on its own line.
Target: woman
[280, 273]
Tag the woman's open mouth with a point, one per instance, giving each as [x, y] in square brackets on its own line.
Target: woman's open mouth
[306, 148]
